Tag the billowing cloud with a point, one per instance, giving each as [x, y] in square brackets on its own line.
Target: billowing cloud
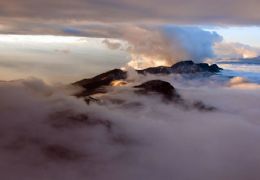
[168, 45]
[197, 42]
[150, 45]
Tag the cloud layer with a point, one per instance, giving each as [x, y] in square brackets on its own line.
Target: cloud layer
[66, 17]
[48, 134]
[174, 11]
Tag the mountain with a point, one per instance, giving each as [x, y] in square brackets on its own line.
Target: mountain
[168, 93]
[183, 67]
[160, 87]
[96, 84]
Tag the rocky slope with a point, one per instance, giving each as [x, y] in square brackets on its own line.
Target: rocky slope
[160, 87]
[96, 84]
[168, 93]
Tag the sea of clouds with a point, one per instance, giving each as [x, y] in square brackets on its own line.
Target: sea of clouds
[46, 133]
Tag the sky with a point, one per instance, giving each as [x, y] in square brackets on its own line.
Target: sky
[55, 58]
[102, 34]
[243, 34]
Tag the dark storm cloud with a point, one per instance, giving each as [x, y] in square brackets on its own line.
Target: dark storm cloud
[200, 11]
[21, 16]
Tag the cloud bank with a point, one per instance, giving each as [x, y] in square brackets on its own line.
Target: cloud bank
[48, 134]
[151, 46]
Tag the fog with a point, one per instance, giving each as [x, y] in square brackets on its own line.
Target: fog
[48, 134]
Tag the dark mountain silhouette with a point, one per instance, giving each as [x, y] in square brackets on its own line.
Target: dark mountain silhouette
[183, 67]
[98, 83]
[94, 85]
[159, 86]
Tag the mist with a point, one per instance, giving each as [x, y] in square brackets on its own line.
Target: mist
[46, 133]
